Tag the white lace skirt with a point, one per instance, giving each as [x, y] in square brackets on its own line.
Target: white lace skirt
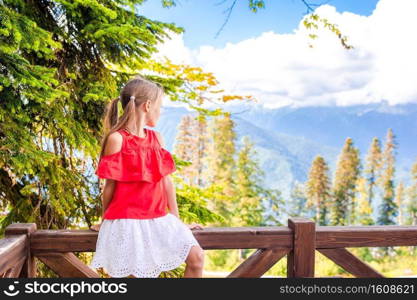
[142, 247]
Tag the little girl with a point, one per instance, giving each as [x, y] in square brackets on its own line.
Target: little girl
[138, 237]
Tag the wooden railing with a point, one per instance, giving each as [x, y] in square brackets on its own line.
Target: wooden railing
[298, 241]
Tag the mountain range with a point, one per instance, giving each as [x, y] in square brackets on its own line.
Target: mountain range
[287, 139]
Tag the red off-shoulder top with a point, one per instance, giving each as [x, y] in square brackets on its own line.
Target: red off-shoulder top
[138, 169]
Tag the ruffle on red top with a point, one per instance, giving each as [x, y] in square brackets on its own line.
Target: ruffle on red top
[146, 163]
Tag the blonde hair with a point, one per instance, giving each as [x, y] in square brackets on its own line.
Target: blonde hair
[135, 92]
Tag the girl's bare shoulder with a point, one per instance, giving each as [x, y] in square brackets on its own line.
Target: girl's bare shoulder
[114, 143]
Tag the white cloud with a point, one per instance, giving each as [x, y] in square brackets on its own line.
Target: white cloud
[280, 69]
[174, 49]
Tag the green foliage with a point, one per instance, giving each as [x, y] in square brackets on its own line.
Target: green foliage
[232, 180]
[191, 85]
[373, 167]
[56, 74]
[347, 172]
[388, 208]
[273, 207]
[61, 62]
[318, 189]
[221, 165]
[192, 202]
[362, 205]
[299, 207]
[313, 21]
[255, 5]
[411, 204]
[248, 198]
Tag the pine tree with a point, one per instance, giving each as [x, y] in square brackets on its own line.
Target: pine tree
[202, 144]
[363, 207]
[274, 207]
[59, 63]
[363, 214]
[254, 204]
[347, 172]
[298, 205]
[185, 147]
[399, 200]
[190, 146]
[373, 167]
[318, 189]
[248, 206]
[412, 197]
[221, 164]
[388, 208]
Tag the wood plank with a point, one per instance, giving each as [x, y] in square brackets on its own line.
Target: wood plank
[350, 263]
[209, 238]
[27, 229]
[365, 236]
[67, 265]
[5, 274]
[12, 250]
[259, 262]
[20, 228]
[300, 262]
[246, 238]
[17, 269]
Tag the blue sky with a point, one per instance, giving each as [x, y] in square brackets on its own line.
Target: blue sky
[202, 19]
[267, 54]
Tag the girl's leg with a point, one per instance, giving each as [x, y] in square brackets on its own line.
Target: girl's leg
[194, 263]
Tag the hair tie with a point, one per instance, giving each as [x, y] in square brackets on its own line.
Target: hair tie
[132, 98]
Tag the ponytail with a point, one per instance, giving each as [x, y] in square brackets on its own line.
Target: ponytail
[110, 121]
[112, 114]
[131, 110]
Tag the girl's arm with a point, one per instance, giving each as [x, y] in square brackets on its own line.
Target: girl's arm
[113, 145]
[169, 186]
[107, 195]
[172, 200]
[170, 190]
[171, 195]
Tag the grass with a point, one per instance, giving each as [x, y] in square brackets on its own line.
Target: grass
[402, 262]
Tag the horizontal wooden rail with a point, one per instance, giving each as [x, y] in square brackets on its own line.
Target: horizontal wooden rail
[245, 238]
[12, 251]
[16, 259]
[298, 242]
[209, 238]
[365, 236]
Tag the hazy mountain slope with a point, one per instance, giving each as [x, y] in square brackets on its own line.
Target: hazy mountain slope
[288, 139]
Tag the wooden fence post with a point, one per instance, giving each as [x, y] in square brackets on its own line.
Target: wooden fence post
[300, 261]
[29, 266]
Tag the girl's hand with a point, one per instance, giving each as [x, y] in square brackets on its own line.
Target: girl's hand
[95, 227]
[194, 226]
